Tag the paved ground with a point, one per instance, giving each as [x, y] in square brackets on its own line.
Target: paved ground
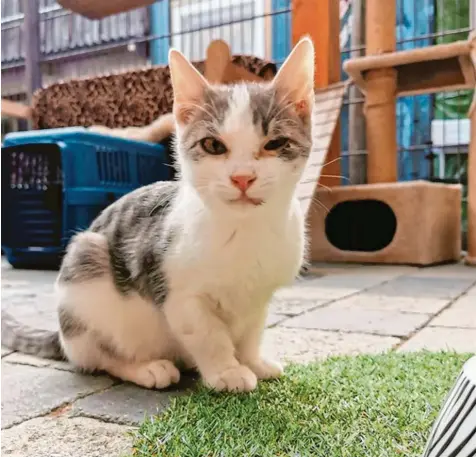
[48, 410]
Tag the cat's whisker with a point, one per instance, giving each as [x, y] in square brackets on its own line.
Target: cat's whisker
[332, 161]
[325, 187]
[336, 176]
[321, 205]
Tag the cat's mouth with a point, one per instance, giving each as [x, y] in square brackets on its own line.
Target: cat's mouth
[244, 200]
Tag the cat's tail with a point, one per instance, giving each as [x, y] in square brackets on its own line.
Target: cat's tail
[28, 340]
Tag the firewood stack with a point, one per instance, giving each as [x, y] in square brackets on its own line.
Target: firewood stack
[134, 98]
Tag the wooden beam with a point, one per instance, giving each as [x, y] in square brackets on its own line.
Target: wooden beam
[380, 103]
[471, 257]
[15, 109]
[319, 19]
[97, 9]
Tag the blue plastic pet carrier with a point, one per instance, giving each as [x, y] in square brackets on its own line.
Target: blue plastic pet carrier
[55, 182]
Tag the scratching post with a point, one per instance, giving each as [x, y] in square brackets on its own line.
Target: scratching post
[380, 103]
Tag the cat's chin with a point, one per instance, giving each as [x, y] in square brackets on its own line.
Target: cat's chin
[245, 202]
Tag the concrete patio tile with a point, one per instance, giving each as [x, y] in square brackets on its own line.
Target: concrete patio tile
[66, 437]
[462, 313]
[431, 287]
[273, 319]
[424, 305]
[6, 351]
[290, 307]
[26, 359]
[455, 317]
[390, 323]
[472, 291]
[441, 339]
[313, 293]
[306, 345]
[28, 391]
[129, 404]
[454, 270]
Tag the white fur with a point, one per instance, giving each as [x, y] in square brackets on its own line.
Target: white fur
[226, 262]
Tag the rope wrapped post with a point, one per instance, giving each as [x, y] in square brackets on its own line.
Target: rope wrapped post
[381, 88]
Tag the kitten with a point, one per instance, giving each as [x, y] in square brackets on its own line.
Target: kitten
[182, 272]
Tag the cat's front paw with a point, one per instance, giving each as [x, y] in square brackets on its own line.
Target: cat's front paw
[266, 369]
[236, 379]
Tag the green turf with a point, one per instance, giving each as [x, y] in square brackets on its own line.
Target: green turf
[345, 406]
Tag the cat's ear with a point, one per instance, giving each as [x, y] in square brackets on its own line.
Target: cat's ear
[188, 85]
[295, 79]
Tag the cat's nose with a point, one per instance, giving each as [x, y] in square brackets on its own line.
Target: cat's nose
[243, 182]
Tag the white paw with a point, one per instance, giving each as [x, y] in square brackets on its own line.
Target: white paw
[266, 369]
[235, 379]
[157, 374]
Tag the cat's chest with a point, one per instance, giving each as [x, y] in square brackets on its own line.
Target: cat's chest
[250, 257]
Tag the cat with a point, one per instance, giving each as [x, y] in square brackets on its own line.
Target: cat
[156, 132]
[182, 272]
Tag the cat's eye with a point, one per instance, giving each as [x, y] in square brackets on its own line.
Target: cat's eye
[277, 143]
[213, 146]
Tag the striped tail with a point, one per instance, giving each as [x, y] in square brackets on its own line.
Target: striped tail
[28, 340]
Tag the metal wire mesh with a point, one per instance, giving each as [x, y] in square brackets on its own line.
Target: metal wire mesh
[433, 132]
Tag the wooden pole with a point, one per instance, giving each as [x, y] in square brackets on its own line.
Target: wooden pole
[381, 84]
[319, 19]
[471, 257]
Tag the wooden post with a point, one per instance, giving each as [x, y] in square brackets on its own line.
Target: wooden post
[319, 19]
[471, 257]
[380, 105]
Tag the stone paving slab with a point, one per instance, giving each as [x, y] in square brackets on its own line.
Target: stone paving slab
[290, 307]
[272, 319]
[28, 392]
[314, 293]
[452, 270]
[442, 339]
[6, 351]
[307, 345]
[26, 359]
[64, 437]
[129, 404]
[456, 317]
[429, 287]
[389, 323]
[422, 305]
[472, 292]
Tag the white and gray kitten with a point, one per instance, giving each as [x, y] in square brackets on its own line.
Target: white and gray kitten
[182, 272]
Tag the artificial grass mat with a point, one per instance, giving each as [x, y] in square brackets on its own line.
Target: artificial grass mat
[382, 405]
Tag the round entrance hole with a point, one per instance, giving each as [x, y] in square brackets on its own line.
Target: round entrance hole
[361, 225]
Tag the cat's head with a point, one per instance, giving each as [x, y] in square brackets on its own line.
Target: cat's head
[244, 146]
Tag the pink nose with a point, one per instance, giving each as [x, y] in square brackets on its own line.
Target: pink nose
[243, 182]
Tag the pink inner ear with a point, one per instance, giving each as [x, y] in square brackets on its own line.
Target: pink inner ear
[182, 112]
[302, 107]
